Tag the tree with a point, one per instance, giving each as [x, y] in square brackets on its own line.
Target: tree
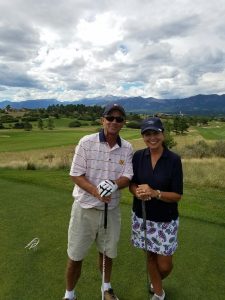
[50, 124]
[40, 124]
[8, 107]
[180, 125]
[169, 140]
[18, 125]
[133, 124]
[74, 123]
[27, 126]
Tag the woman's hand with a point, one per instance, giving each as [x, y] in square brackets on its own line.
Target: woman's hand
[145, 192]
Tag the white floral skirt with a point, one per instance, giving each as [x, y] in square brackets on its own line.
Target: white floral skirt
[161, 236]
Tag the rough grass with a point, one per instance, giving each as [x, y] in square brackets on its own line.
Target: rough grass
[58, 157]
[208, 172]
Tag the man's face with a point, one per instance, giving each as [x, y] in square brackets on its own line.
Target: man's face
[113, 122]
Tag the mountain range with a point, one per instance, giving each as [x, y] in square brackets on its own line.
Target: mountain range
[196, 105]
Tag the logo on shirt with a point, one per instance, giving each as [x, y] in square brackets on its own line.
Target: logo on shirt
[121, 162]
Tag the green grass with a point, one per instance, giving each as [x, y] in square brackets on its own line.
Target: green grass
[55, 179]
[38, 203]
[12, 140]
[213, 132]
[20, 140]
[62, 122]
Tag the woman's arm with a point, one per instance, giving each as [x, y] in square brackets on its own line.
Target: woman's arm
[144, 190]
[133, 187]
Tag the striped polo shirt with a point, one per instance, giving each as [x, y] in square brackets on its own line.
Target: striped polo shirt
[97, 161]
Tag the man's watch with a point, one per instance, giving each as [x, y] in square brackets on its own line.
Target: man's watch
[159, 195]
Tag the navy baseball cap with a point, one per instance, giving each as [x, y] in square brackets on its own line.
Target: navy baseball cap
[153, 123]
[113, 106]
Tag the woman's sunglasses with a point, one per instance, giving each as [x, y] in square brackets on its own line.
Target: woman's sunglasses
[112, 118]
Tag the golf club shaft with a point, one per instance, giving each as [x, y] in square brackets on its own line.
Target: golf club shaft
[105, 215]
[145, 240]
[104, 248]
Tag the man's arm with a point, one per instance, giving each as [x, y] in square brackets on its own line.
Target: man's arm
[86, 185]
[122, 182]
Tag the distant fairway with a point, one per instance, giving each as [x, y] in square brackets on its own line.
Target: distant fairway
[213, 132]
[20, 140]
[28, 140]
[38, 203]
[47, 148]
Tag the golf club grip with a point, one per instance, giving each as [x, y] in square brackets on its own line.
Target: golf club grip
[105, 215]
[143, 215]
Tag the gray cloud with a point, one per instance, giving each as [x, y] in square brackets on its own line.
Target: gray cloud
[12, 77]
[18, 43]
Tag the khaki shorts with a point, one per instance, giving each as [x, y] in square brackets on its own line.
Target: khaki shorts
[87, 226]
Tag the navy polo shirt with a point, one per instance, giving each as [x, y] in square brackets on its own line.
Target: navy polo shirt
[166, 176]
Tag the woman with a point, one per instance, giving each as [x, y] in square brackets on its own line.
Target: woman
[157, 186]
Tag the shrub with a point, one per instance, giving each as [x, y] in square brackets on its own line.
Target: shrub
[198, 150]
[49, 157]
[133, 124]
[218, 149]
[7, 119]
[31, 166]
[95, 123]
[74, 124]
[18, 125]
[27, 126]
[50, 123]
[169, 140]
[86, 118]
[30, 118]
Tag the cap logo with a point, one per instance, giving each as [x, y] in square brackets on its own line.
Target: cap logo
[150, 122]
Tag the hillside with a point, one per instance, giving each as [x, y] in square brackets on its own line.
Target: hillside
[196, 105]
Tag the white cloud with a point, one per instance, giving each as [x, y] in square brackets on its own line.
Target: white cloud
[104, 30]
[82, 48]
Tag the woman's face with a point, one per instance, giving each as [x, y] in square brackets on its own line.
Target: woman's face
[153, 139]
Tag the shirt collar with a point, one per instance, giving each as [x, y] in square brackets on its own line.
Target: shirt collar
[102, 138]
[164, 154]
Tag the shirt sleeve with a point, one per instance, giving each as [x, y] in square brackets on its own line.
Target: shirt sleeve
[79, 163]
[134, 163]
[177, 175]
[128, 170]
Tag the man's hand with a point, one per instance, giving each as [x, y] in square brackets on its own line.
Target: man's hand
[107, 187]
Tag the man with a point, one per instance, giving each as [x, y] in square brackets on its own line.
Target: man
[101, 160]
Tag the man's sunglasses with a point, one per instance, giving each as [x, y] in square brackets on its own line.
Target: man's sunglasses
[112, 118]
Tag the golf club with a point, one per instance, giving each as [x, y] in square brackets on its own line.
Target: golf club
[104, 249]
[143, 227]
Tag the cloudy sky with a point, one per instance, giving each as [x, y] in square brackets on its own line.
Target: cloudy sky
[73, 49]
